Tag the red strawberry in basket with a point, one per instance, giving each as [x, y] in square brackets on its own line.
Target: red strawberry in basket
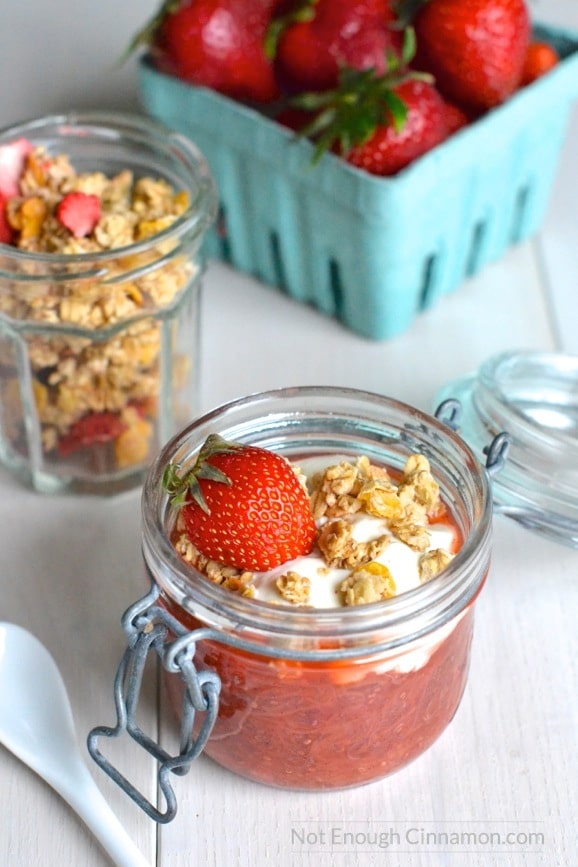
[215, 43]
[390, 149]
[243, 506]
[540, 59]
[325, 35]
[474, 49]
[379, 123]
[456, 117]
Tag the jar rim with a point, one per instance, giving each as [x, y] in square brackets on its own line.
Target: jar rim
[391, 622]
[192, 223]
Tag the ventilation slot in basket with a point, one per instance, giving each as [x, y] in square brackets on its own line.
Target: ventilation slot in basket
[520, 211]
[475, 254]
[428, 282]
[336, 287]
[277, 260]
[222, 233]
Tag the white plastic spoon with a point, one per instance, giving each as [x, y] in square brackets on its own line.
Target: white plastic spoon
[36, 725]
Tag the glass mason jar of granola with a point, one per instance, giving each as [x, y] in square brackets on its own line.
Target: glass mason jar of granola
[307, 697]
[102, 217]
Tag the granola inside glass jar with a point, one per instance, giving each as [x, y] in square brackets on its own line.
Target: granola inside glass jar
[102, 222]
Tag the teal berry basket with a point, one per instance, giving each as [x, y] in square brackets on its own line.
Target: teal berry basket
[374, 252]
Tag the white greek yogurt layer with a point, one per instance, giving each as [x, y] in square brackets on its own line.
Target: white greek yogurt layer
[399, 558]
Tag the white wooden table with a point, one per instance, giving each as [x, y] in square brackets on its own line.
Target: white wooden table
[507, 765]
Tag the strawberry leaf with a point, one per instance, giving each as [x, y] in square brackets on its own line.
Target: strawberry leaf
[397, 110]
[194, 490]
[145, 36]
[214, 474]
[181, 488]
[348, 116]
[409, 46]
[173, 485]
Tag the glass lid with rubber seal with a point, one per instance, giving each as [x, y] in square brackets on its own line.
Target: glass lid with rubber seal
[533, 397]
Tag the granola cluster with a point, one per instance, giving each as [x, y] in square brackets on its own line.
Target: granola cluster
[406, 509]
[92, 338]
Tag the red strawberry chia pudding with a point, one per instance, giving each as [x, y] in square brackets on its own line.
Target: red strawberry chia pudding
[341, 649]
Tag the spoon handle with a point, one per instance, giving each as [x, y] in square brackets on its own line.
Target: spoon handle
[84, 796]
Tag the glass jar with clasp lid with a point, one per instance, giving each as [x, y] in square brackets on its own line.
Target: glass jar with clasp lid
[296, 697]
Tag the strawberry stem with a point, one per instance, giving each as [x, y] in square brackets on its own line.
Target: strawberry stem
[181, 489]
[406, 10]
[145, 36]
[302, 12]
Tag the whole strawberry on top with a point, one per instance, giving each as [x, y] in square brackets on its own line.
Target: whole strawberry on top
[242, 506]
[315, 38]
[214, 43]
[475, 49]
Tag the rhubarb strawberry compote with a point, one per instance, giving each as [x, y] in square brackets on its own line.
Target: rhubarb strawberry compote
[323, 552]
[101, 218]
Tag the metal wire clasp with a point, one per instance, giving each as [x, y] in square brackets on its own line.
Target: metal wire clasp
[496, 452]
[149, 626]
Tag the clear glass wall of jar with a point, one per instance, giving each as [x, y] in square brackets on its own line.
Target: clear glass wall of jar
[98, 347]
[328, 698]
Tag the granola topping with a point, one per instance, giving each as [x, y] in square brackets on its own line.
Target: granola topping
[294, 588]
[378, 536]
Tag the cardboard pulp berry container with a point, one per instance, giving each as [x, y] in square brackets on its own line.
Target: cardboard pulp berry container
[374, 252]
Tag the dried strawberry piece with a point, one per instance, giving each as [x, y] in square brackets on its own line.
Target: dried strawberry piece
[79, 213]
[6, 233]
[146, 407]
[12, 161]
[90, 430]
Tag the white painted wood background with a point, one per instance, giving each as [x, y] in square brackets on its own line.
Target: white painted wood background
[68, 568]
